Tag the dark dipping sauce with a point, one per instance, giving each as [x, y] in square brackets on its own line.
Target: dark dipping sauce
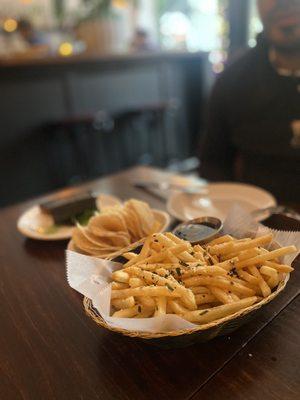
[194, 232]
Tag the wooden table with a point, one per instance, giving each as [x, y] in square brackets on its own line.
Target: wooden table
[49, 348]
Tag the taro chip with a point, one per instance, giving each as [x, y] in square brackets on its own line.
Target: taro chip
[82, 242]
[108, 222]
[144, 214]
[99, 241]
[134, 221]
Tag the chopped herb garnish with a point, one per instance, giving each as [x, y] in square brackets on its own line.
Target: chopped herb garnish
[183, 263]
[203, 312]
[233, 272]
[178, 270]
[169, 287]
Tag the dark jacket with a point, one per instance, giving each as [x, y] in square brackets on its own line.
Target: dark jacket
[249, 127]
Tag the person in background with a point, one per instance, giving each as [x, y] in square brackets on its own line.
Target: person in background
[253, 132]
[142, 42]
[30, 35]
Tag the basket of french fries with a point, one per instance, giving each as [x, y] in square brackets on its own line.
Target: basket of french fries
[167, 291]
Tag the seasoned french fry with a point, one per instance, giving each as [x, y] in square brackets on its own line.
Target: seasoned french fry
[279, 267]
[152, 291]
[272, 275]
[120, 276]
[129, 255]
[243, 255]
[232, 247]
[234, 297]
[222, 283]
[126, 312]
[187, 295]
[171, 257]
[161, 305]
[176, 307]
[200, 290]
[146, 301]
[143, 254]
[221, 239]
[205, 298]
[204, 270]
[119, 285]
[220, 295]
[186, 257]
[248, 277]
[174, 238]
[215, 313]
[222, 248]
[266, 257]
[123, 303]
[136, 282]
[265, 289]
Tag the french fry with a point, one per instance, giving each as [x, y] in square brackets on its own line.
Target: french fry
[129, 255]
[266, 257]
[272, 275]
[143, 253]
[174, 238]
[152, 291]
[126, 312]
[232, 247]
[161, 305]
[186, 257]
[222, 283]
[136, 282]
[200, 290]
[176, 307]
[265, 289]
[244, 255]
[120, 276]
[187, 295]
[204, 270]
[205, 298]
[248, 277]
[146, 301]
[215, 313]
[234, 296]
[221, 239]
[220, 295]
[279, 267]
[120, 304]
[222, 248]
[119, 285]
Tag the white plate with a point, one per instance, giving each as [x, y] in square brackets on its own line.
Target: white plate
[217, 201]
[33, 221]
[160, 216]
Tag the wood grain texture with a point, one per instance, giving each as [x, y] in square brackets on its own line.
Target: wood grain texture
[49, 349]
[268, 368]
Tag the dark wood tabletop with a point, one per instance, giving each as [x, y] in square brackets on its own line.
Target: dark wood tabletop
[49, 348]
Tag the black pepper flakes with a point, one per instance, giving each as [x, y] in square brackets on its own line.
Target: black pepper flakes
[203, 312]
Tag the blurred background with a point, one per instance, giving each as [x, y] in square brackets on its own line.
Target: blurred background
[90, 87]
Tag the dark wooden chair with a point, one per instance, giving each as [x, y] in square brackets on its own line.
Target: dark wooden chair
[88, 146]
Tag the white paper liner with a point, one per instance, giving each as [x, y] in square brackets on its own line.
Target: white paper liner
[90, 276]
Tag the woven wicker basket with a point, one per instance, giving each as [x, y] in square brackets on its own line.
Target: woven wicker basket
[201, 333]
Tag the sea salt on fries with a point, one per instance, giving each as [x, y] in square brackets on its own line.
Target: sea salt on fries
[199, 283]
